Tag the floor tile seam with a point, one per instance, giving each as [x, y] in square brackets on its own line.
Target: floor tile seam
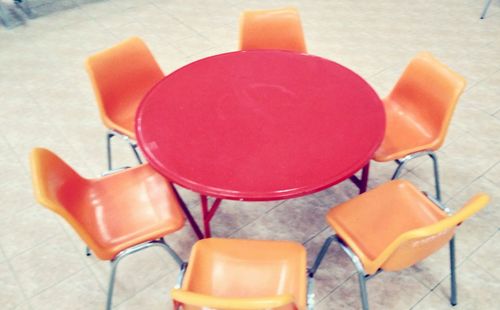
[458, 264]
[258, 218]
[318, 233]
[179, 20]
[12, 151]
[38, 245]
[336, 288]
[154, 282]
[462, 189]
[68, 276]
[492, 275]
[421, 299]
[23, 289]
[479, 248]
[151, 283]
[16, 278]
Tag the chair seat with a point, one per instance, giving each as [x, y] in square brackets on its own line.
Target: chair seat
[247, 268]
[405, 134]
[371, 221]
[144, 209]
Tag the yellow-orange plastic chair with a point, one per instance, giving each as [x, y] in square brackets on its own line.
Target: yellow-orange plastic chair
[418, 113]
[392, 227]
[243, 274]
[272, 29]
[115, 215]
[121, 76]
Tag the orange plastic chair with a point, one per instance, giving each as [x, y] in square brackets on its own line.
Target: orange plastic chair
[272, 29]
[418, 113]
[121, 76]
[243, 274]
[115, 215]
[393, 227]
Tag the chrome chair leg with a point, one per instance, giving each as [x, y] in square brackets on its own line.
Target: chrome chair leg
[453, 277]
[87, 251]
[437, 185]
[114, 263]
[403, 161]
[133, 146]
[111, 286]
[321, 255]
[362, 289]
[109, 136]
[485, 9]
[310, 293]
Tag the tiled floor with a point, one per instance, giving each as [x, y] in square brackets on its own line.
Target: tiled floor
[46, 100]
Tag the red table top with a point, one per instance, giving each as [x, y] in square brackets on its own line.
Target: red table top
[260, 125]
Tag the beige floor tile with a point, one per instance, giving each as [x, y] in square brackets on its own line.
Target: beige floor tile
[488, 256]
[156, 296]
[26, 229]
[494, 174]
[296, 219]
[80, 290]
[386, 291]
[232, 215]
[46, 265]
[433, 301]
[11, 294]
[477, 289]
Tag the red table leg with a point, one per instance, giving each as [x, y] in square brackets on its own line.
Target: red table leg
[208, 212]
[362, 183]
[188, 214]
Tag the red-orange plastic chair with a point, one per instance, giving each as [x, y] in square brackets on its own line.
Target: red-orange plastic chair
[243, 274]
[121, 76]
[272, 29]
[115, 215]
[392, 227]
[418, 113]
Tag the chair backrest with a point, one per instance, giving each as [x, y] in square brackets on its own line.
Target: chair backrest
[58, 187]
[121, 76]
[429, 91]
[415, 245]
[269, 276]
[272, 29]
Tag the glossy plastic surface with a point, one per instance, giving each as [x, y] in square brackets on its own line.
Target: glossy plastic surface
[111, 213]
[419, 108]
[395, 226]
[121, 76]
[245, 274]
[272, 29]
[260, 125]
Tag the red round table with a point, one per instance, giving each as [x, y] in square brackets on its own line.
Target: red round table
[260, 125]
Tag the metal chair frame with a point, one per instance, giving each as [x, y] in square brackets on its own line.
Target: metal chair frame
[363, 277]
[403, 161]
[109, 135]
[114, 262]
